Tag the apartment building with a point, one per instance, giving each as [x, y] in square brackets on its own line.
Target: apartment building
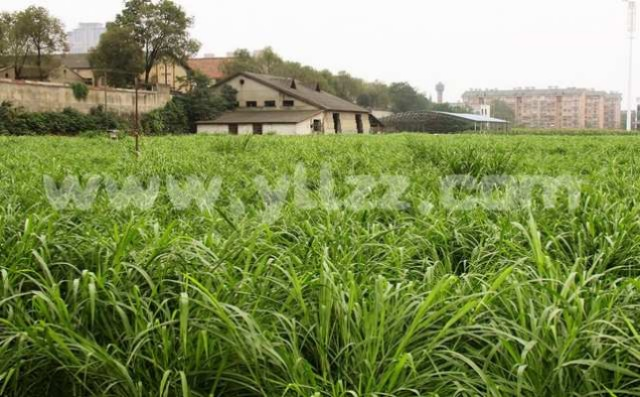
[554, 107]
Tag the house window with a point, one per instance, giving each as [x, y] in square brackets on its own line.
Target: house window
[269, 104]
[257, 129]
[288, 104]
[252, 104]
[317, 126]
[233, 129]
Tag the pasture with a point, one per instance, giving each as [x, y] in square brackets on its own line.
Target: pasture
[318, 266]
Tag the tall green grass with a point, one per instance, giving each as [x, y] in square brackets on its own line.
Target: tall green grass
[530, 302]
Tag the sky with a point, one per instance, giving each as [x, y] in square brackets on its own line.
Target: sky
[463, 43]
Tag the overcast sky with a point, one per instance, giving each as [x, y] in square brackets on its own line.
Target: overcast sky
[463, 43]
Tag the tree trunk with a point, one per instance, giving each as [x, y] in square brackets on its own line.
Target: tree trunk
[39, 64]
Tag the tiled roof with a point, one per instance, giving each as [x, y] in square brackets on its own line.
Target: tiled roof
[264, 117]
[211, 67]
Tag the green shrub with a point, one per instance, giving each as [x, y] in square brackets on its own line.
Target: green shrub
[80, 91]
[153, 122]
[16, 121]
[171, 119]
[108, 120]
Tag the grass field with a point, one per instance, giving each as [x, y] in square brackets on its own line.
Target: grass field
[171, 300]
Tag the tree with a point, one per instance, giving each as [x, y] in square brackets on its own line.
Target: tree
[347, 86]
[502, 110]
[405, 98]
[5, 20]
[242, 61]
[201, 102]
[44, 33]
[162, 31]
[269, 62]
[183, 112]
[375, 96]
[118, 57]
[17, 46]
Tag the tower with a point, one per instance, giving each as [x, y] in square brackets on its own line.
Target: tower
[440, 90]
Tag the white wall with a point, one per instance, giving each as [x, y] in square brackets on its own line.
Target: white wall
[247, 129]
[213, 129]
[253, 91]
[302, 128]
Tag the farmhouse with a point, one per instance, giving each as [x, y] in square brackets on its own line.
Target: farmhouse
[281, 105]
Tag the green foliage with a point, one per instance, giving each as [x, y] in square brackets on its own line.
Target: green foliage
[171, 119]
[31, 35]
[5, 27]
[164, 302]
[161, 29]
[502, 110]
[80, 91]
[16, 121]
[200, 103]
[118, 57]
[405, 98]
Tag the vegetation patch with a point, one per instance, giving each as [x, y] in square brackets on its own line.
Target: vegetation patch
[80, 91]
[210, 299]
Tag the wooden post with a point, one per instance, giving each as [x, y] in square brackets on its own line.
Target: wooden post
[137, 121]
[105, 93]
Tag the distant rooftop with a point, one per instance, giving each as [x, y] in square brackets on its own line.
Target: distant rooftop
[210, 66]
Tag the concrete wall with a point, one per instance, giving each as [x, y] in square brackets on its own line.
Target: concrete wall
[41, 97]
[348, 122]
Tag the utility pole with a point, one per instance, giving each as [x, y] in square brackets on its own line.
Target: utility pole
[631, 27]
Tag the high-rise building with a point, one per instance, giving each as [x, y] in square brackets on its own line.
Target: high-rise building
[553, 107]
[85, 37]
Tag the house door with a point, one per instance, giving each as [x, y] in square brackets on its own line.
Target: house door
[359, 124]
[336, 123]
[257, 129]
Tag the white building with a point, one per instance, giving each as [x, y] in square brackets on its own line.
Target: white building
[282, 105]
[85, 37]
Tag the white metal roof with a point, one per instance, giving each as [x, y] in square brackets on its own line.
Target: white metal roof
[475, 118]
